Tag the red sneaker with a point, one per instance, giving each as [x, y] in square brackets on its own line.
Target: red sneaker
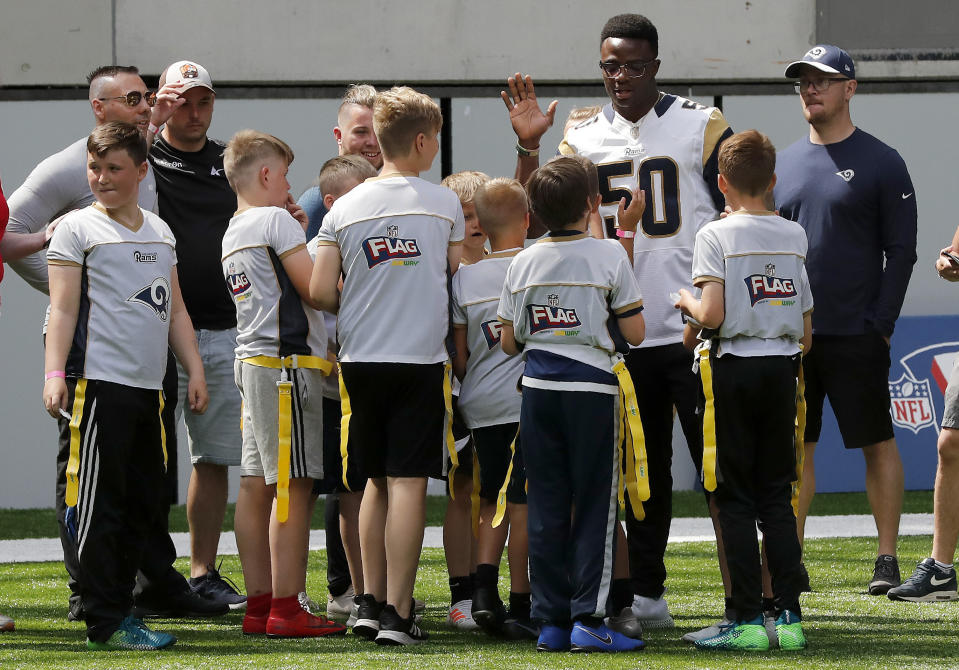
[303, 624]
[254, 625]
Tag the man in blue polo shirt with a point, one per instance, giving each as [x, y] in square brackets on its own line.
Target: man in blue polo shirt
[853, 196]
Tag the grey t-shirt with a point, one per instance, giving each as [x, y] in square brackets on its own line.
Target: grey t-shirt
[56, 186]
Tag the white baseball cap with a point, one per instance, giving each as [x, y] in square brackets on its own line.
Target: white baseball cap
[190, 74]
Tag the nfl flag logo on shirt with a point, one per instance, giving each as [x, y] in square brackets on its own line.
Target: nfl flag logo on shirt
[912, 406]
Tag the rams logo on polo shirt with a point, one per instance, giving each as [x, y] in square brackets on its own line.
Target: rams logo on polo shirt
[156, 296]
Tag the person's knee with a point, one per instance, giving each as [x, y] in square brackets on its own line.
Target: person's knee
[948, 447]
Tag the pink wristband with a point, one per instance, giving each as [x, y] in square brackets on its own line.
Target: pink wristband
[628, 234]
[55, 373]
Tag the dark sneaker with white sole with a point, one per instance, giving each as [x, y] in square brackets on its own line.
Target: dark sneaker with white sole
[928, 583]
[885, 575]
[213, 586]
[368, 612]
[396, 631]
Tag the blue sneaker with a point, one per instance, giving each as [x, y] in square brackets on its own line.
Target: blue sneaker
[553, 638]
[133, 635]
[601, 638]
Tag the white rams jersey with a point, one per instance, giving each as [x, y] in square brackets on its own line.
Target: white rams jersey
[125, 293]
[671, 153]
[271, 318]
[761, 260]
[393, 234]
[559, 293]
[488, 395]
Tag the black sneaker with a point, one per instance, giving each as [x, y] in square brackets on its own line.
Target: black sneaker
[185, 604]
[368, 612]
[217, 588]
[396, 631]
[885, 575]
[520, 629]
[488, 609]
[928, 583]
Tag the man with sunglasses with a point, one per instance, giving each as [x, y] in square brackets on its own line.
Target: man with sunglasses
[59, 185]
[854, 197]
[667, 146]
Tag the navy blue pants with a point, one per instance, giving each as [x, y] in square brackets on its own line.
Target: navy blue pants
[572, 465]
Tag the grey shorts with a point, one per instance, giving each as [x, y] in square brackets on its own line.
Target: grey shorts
[214, 436]
[260, 457]
[950, 414]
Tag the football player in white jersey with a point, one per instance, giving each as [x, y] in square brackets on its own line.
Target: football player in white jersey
[667, 146]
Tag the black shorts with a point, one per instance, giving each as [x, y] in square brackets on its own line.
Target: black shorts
[332, 481]
[397, 418]
[492, 449]
[853, 372]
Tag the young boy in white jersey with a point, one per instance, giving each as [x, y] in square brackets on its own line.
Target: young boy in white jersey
[750, 267]
[115, 306]
[557, 299]
[394, 238]
[490, 405]
[339, 176]
[459, 545]
[280, 363]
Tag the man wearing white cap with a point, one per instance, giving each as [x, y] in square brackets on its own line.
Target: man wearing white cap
[853, 196]
[197, 202]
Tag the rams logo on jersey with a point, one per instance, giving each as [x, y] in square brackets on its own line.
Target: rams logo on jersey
[144, 256]
[156, 296]
[552, 317]
[394, 249]
[238, 282]
[492, 331]
[770, 287]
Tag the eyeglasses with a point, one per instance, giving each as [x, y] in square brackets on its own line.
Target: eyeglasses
[133, 98]
[633, 69]
[820, 85]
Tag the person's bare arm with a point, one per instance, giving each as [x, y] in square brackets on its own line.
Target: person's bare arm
[182, 339]
[528, 121]
[454, 253]
[507, 340]
[324, 282]
[299, 268]
[628, 218]
[462, 351]
[806, 339]
[633, 328]
[710, 310]
[64, 282]
[690, 336]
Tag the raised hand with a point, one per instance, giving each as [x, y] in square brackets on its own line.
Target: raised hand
[528, 120]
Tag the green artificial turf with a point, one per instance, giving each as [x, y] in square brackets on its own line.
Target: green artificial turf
[32, 523]
[845, 627]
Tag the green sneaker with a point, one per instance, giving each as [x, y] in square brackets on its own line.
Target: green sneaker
[743, 636]
[789, 631]
[133, 635]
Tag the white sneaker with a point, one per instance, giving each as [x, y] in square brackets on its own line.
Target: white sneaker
[353, 612]
[652, 612]
[626, 624]
[6, 624]
[461, 616]
[341, 606]
[711, 631]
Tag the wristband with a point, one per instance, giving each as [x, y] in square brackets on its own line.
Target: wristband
[153, 129]
[627, 234]
[55, 373]
[527, 153]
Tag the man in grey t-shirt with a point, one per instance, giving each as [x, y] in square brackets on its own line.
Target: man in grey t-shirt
[56, 186]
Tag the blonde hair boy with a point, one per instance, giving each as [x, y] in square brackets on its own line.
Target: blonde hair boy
[400, 115]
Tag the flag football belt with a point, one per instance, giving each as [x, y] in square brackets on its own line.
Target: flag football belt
[72, 494]
[285, 414]
[709, 426]
[632, 448]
